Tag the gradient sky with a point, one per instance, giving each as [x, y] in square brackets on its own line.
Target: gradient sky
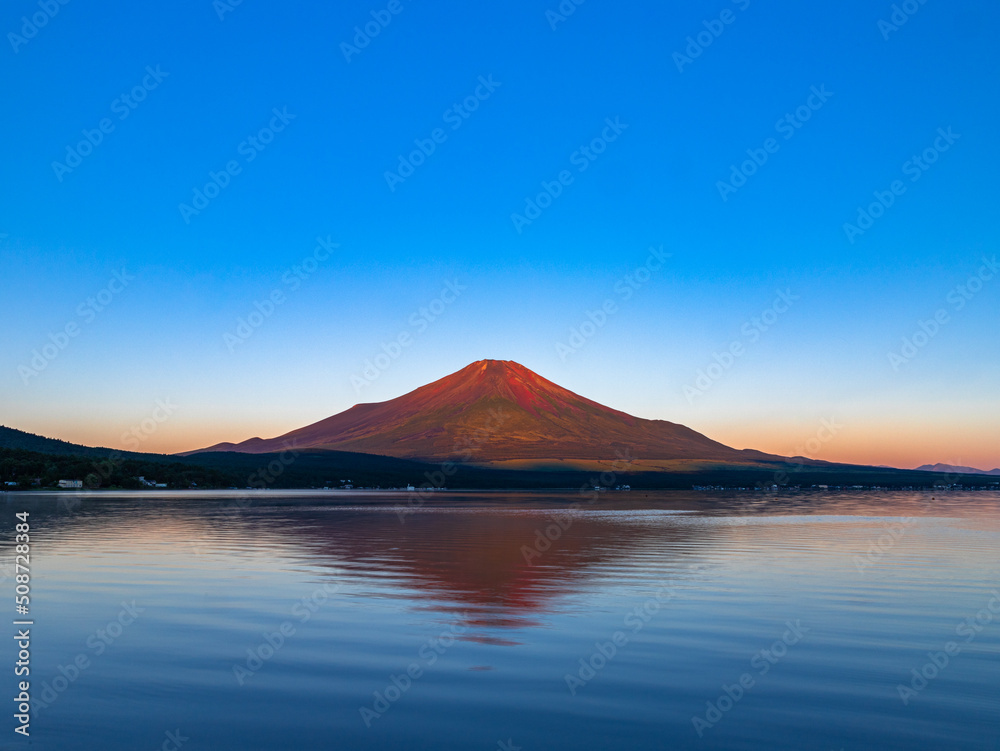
[163, 336]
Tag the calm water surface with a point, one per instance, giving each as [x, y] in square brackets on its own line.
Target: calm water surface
[491, 621]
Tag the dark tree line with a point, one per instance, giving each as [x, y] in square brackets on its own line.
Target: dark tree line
[33, 469]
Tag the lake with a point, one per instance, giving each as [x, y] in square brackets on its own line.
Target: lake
[352, 620]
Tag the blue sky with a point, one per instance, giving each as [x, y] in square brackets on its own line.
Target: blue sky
[167, 334]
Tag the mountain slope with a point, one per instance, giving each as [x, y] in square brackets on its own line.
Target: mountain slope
[957, 470]
[498, 411]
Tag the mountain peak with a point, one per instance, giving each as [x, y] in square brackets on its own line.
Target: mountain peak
[505, 380]
[503, 368]
[495, 412]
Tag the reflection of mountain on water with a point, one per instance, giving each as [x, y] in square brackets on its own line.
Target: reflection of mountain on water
[481, 560]
[468, 562]
[501, 569]
[488, 567]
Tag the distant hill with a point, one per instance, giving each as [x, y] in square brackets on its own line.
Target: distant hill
[957, 470]
[11, 438]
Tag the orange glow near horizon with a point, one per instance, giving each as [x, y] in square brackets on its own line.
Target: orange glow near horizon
[906, 443]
